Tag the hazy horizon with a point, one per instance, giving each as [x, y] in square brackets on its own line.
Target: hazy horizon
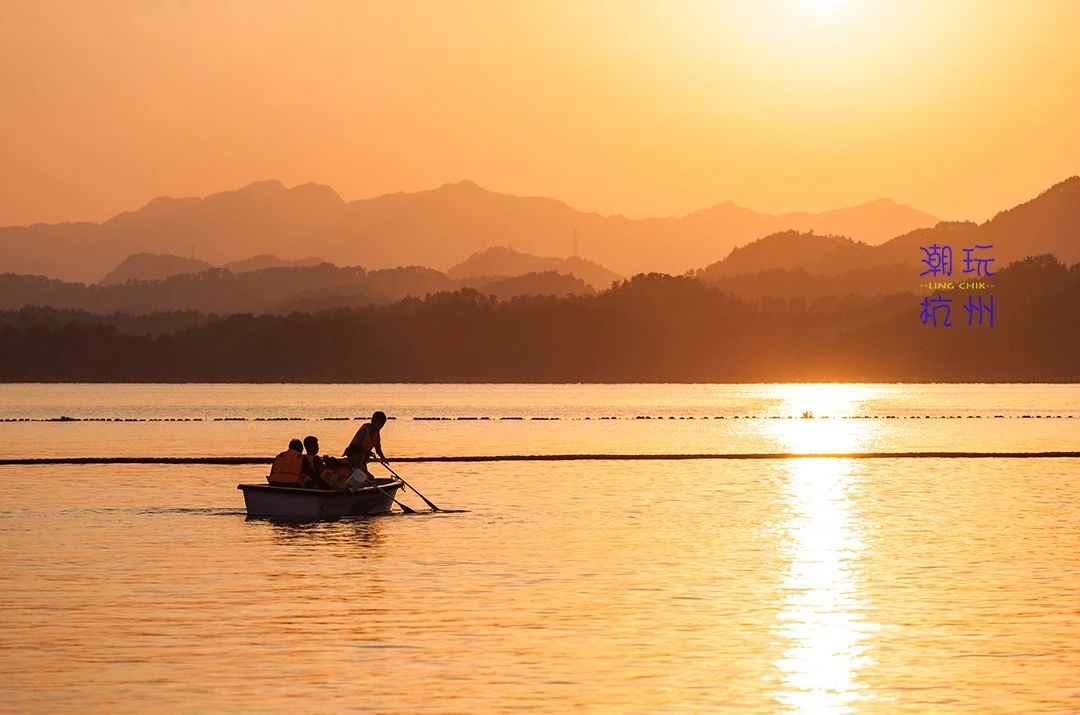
[494, 190]
[643, 111]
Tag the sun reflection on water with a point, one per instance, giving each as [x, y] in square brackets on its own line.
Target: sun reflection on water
[823, 618]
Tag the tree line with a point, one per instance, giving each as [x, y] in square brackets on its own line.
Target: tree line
[650, 328]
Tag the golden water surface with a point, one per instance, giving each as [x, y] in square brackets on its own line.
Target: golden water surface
[765, 586]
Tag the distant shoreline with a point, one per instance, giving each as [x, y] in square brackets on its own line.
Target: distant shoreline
[479, 383]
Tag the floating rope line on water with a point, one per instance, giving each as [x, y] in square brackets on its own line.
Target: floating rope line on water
[65, 418]
[27, 461]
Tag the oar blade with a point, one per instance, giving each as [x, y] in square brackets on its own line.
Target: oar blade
[427, 501]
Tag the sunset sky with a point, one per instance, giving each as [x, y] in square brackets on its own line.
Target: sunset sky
[957, 107]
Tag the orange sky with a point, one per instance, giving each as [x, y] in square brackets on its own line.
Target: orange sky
[958, 107]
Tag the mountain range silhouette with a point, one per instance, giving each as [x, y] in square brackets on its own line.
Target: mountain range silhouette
[438, 228]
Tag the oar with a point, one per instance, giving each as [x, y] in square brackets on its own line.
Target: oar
[405, 508]
[410, 486]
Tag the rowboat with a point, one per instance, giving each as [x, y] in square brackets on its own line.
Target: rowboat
[297, 504]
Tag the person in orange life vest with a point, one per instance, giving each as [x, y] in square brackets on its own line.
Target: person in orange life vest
[336, 473]
[287, 470]
[366, 439]
[312, 465]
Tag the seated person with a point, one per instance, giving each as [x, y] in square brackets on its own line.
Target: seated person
[336, 473]
[312, 465]
[287, 469]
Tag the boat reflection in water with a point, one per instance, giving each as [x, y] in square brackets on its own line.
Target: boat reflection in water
[823, 616]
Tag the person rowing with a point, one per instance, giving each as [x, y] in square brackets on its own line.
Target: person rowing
[359, 451]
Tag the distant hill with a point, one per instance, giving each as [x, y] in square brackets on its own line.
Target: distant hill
[872, 222]
[506, 262]
[793, 250]
[270, 290]
[152, 267]
[1048, 224]
[548, 283]
[159, 266]
[267, 260]
[437, 228]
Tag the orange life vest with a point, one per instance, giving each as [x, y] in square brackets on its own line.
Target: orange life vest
[365, 440]
[287, 469]
[337, 476]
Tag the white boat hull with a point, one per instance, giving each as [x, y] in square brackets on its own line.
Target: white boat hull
[297, 504]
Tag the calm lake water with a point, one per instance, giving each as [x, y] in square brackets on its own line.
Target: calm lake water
[764, 586]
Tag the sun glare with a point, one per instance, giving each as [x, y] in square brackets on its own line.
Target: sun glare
[823, 620]
[818, 417]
